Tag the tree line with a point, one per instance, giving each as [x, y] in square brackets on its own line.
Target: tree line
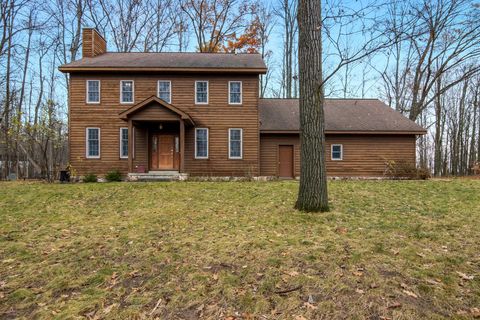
[419, 56]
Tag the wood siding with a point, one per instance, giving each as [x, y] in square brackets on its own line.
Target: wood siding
[363, 155]
[218, 116]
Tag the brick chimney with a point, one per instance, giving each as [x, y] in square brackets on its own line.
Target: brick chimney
[93, 44]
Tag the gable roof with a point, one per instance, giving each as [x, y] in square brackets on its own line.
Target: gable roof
[153, 99]
[169, 61]
[341, 116]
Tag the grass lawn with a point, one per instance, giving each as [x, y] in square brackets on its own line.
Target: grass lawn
[237, 250]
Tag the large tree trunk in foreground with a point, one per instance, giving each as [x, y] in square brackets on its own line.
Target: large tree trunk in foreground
[312, 195]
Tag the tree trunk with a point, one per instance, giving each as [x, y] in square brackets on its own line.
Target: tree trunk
[312, 194]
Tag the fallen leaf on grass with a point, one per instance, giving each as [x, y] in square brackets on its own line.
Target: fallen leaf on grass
[410, 294]
[465, 276]
[310, 306]
[433, 282]
[341, 230]
[215, 277]
[475, 312]
[357, 273]
[300, 318]
[394, 305]
[359, 291]
[292, 273]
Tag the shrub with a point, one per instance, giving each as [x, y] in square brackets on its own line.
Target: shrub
[90, 178]
[405, 170]
[113, 175]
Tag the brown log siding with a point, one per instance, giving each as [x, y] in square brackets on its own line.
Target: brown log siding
[363, 155]
[218, 116]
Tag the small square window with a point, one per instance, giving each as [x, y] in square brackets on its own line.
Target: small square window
[337, 152]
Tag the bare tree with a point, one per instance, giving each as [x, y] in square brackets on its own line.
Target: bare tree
[214, 21]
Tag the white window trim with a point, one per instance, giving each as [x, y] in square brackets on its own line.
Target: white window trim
[87, 100]
[208, 141]
[121, 92]
[158, 90]
[341, 152]
[99, 143]
[120, 143]
[241, 144]
[208, 89]
[241, 93]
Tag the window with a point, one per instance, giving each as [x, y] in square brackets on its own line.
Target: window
[126, 91]
[235, 92]
[235, 143]
[93, 91]
[201, 92]
[123, 143]
[201, 143]
[164, 91]
[337, 152]
[93, 143]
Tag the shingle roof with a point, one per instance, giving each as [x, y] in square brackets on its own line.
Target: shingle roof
[341, 115]
[169, 61]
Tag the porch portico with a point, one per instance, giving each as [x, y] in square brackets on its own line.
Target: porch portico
[161, 149]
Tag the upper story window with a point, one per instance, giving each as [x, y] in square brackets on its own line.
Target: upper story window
[201, 143]
[93, 143]
[126, 91]
[165, 90]
[235, 143]
[235, 92]
[93, 91]
[201, 92]
[337, 152]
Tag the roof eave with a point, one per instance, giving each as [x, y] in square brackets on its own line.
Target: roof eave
[349, 132]
[69, 69]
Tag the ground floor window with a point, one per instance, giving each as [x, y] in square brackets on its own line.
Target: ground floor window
[235, 143]
[123, 142]
[93, 143]
[337, 152]
[201, 143]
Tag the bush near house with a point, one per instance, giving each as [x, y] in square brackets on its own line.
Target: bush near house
[237, 250]
[405, 170]
[90, 178]
[113, 175]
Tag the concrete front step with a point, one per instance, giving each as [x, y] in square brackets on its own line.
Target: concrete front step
[157, 176]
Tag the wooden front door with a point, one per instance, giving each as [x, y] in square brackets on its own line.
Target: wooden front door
[285, 161]
[164, 152]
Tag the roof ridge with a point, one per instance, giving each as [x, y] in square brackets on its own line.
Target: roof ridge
[325, 98]
[184, 52]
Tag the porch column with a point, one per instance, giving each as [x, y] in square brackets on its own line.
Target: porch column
[130, 145]
[182, 144]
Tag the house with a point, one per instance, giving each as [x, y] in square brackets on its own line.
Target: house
[199, 114]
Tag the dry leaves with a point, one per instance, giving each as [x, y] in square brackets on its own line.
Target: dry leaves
[465, 276]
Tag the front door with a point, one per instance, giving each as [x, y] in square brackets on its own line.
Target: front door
[285, 161]
[164, 152]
